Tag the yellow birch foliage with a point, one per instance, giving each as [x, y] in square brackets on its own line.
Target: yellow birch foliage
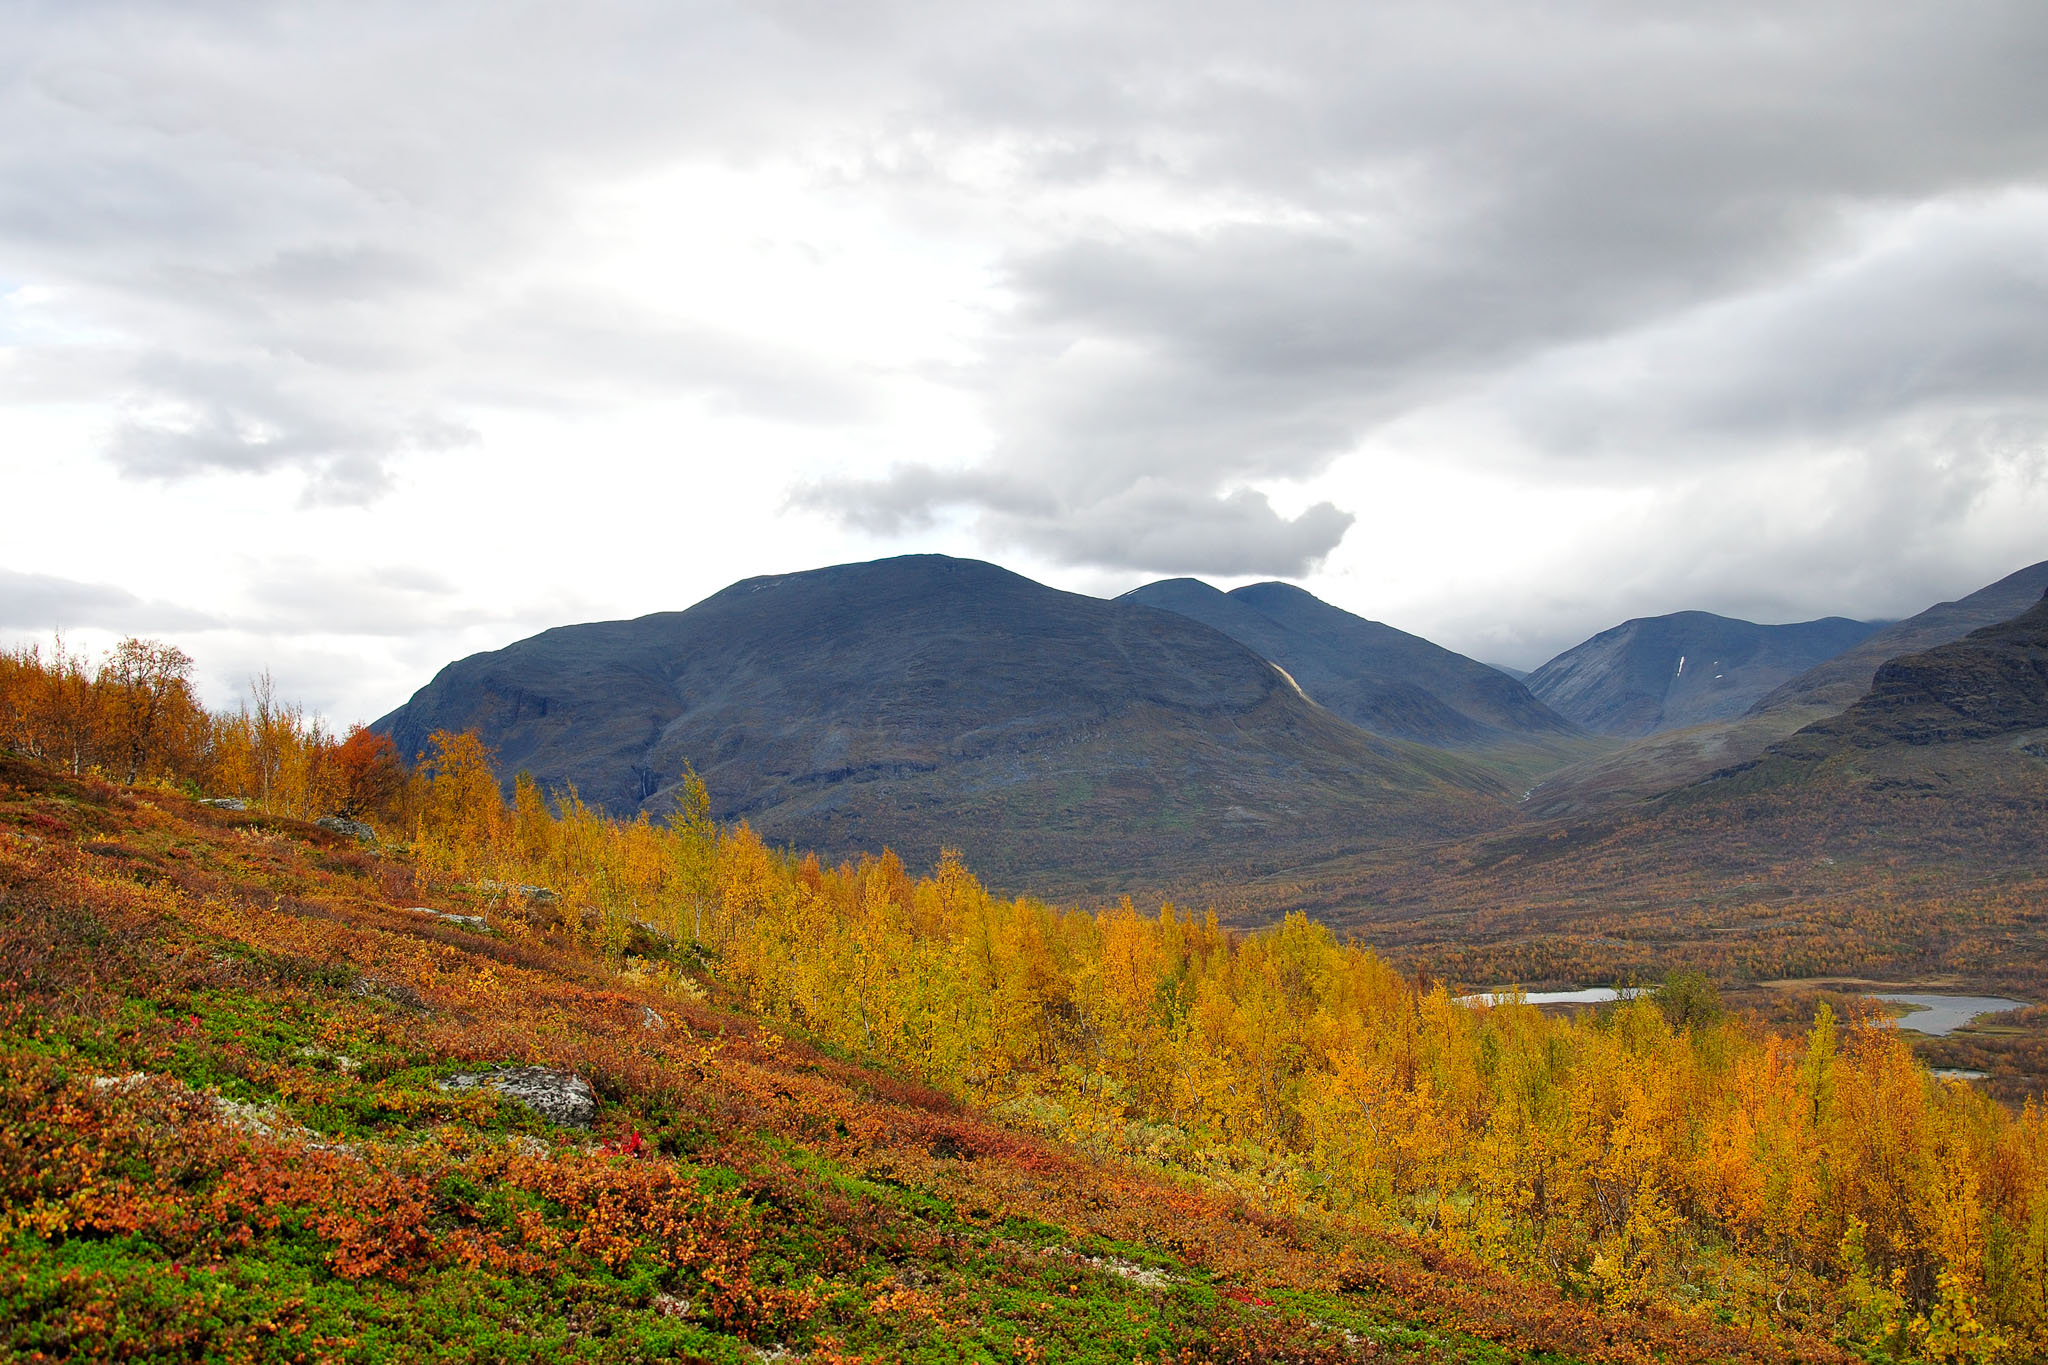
[1827, 1180]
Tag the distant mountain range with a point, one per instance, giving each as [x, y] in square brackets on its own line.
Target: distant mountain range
[1378, 678]
[1990, 684]
[1060, 741]
[1898, 839]
[1669, 759]
[1176, 736]
[1690, 667]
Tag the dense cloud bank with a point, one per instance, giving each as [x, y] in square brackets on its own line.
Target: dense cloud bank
[1106, 291]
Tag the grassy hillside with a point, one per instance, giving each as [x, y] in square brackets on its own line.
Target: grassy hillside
[220, 1041]
[249, 1076]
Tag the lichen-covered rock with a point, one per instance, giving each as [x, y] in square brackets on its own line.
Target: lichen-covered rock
[561, 1097]
[475, 922]
[224, 802]
[355, 829]
[397, 992]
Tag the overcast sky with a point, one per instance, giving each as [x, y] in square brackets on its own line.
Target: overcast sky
[349, 339]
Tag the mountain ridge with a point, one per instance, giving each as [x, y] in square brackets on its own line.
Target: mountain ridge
[1075, 741]
[1376, 676]
[1840, 681]
[1684, 668]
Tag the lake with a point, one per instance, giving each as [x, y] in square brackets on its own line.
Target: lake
[1592, 995]
[1936, 1015]
[1940, 1014]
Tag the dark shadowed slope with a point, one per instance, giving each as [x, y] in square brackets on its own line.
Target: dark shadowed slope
[1691, 667]
[1379, 678]
[924, 701]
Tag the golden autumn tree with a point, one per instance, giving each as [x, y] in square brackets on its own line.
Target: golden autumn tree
[152, 719]
[460, 809]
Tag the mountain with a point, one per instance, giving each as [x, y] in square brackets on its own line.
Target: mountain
[1378, 678]
[926, 701]
[1666, 672]
[1674, 758]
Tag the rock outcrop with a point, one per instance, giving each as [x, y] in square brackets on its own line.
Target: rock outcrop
[476, 922]
[561, 1097]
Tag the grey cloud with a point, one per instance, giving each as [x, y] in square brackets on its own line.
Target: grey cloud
[1240, 241]
[319, 218]
[1929, 339]
[1168, 531]
[1421, 203]
[303, 597]
[624, 352]
[911, 497]
[40, 602]
[187, 417]
[1152, 525]
[1878, 537]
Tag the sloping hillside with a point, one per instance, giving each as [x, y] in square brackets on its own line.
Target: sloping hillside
[1378, 678]
[235, 1125]
[1063, 742]
[1900, 838]
[1990, 685]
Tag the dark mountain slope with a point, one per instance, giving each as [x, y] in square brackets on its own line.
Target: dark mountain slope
[1379, 678]
[1666, 672]
[927, 701]
[1989, 684]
